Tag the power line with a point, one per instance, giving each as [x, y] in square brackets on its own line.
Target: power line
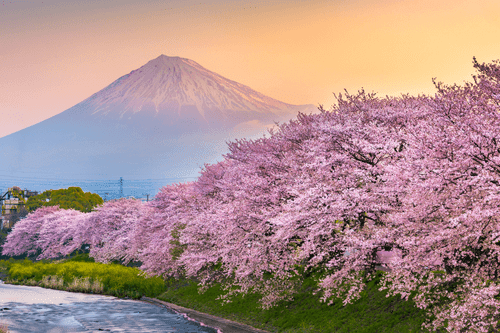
[108, 188]
[8, 177]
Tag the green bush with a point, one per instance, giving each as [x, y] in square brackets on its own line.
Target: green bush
[70, 198]
[82, 257]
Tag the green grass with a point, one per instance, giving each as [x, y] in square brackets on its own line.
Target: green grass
[85, 276]
[373, 312]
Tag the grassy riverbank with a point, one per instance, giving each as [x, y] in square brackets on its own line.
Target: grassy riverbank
[372, 313]
[80, 275]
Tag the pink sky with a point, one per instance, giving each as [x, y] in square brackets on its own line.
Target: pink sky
[56, 53]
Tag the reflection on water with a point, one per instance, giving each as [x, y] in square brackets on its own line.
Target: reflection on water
[33, 309]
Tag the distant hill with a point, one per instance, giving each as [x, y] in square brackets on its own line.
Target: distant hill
[165, 119]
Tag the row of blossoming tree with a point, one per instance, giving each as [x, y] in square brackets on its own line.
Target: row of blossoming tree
[328, 193]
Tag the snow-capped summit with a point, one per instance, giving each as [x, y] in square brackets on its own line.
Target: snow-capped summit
[171, 113]
[174, 91]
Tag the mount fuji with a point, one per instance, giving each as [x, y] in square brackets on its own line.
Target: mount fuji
[165, 119]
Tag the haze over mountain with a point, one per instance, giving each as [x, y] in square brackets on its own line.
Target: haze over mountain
[162, 120]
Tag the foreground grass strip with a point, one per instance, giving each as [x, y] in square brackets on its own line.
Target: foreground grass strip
[90, 277]
[374, 312]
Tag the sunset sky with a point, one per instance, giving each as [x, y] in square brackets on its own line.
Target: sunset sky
[56, 53]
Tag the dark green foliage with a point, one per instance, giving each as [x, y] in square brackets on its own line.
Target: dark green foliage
[70, 198]
[81, 257]
[3, 237]
[18, 213]
[178, 248]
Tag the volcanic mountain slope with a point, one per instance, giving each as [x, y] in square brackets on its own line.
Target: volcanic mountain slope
[165, 119]
[178, 95]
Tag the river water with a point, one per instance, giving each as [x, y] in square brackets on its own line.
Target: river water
[26, 309]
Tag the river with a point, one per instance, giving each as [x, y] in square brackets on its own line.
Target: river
[26, 309]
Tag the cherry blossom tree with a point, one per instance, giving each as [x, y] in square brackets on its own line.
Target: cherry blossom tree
[413, 174]
[448, 224]
[408, 183]
[23, 239]
[60, 233]
[110, 228]
[48, 232]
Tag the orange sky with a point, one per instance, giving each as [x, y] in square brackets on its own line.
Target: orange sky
[56, 53]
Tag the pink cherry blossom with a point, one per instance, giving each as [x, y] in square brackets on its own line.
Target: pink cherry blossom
[410, 185]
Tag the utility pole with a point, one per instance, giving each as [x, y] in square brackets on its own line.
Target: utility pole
[147, 196]
[121, 187]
